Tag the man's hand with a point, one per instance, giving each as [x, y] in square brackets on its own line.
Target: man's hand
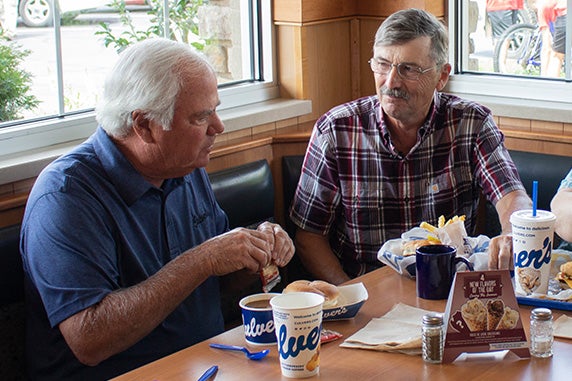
[238, 249]
[500, 253]
[283, 247]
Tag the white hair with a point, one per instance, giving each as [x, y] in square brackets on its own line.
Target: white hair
[147, 77]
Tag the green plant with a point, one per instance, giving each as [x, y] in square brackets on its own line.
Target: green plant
[14, 83]
[183, 24]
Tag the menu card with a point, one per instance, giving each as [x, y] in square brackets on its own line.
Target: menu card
[482, 315]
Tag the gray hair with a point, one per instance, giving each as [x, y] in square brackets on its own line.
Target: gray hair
[407, 25]
[147, 76]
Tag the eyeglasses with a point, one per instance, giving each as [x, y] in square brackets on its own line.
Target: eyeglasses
[405, 70]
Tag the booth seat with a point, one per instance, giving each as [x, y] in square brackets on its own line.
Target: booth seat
[12, 315]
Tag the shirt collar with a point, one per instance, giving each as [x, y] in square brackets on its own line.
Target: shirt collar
[129, 183]
[426, 128]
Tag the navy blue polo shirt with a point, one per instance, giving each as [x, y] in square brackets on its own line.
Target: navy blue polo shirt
[94, 225]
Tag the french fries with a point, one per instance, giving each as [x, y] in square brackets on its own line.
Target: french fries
[441, 223]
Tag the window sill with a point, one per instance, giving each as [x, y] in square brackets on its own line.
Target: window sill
[517, 97]
[21, 166]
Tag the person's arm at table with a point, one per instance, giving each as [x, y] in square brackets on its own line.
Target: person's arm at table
[318, 258]
[126, 316]
[561, 206]
[500, 247]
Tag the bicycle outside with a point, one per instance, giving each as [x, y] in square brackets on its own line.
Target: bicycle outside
[518, 50]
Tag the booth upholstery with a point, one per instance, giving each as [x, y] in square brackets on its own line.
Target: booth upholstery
[246, 194]
[12, 315]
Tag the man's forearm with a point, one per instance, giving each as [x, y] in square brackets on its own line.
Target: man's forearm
[124, 317]
[318, 258]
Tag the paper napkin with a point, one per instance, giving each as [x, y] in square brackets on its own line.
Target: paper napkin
[397, 331]
[563, 327]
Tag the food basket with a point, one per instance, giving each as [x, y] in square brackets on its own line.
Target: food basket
[353, 297]
[474, 250]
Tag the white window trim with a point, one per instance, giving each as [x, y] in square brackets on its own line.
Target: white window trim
[516, 98]
[537, 99]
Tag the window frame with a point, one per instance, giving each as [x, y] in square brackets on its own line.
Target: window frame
[528, 98]
[24, 140]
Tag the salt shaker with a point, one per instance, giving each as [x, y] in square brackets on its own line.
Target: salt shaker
[541, 334]
[432, 338]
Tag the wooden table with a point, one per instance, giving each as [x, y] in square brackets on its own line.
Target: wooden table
[385, 288]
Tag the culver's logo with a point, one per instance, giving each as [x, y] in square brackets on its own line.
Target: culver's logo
[535, 258]
[334, 313]
[292, 345]
[254, 330]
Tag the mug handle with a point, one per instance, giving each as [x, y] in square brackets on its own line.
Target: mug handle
[465, 261]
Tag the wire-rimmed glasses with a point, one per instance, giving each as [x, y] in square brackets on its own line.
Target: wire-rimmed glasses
[405, 70]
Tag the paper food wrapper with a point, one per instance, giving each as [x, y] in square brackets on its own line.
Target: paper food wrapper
[563, 327]
[474, 248]
[397, 331]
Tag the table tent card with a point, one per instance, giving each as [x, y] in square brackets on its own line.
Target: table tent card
[482, 315]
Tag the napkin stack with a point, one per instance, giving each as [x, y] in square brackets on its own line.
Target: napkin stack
[563, 327]
[397, 331]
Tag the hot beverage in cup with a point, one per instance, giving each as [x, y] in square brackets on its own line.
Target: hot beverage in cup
[298, 322]
[257, 319]
[532, 238]
[435, 267]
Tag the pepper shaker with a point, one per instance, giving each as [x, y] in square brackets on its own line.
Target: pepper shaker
[541, 334]
[432, 338]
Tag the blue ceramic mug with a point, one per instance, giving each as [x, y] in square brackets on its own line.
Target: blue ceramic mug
[435, 267]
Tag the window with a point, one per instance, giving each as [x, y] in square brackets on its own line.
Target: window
[69, 58]
[498, 58]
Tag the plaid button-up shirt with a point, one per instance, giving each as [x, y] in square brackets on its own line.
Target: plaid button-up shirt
[358, 189]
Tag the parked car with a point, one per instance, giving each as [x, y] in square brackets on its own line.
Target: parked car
[39, 13]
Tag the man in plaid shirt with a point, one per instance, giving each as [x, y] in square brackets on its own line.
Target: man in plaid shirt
[380, 165]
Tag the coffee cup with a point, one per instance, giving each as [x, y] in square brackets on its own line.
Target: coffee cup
[435, 267]
[257, 319]
[298, 322]
[532, 238]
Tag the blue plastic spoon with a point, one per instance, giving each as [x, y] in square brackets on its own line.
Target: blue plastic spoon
[250, 355]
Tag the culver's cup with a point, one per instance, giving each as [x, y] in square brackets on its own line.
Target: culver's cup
[257, 319]
[298, 322]
[532, 238]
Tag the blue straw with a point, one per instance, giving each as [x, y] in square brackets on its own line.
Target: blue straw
[534, 197]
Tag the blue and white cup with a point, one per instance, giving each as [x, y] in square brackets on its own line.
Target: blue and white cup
[257, 319]
[532, 237]
[298, 321]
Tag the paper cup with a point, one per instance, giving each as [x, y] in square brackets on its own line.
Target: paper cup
[532, 246]
[257, 319]
[298, 321]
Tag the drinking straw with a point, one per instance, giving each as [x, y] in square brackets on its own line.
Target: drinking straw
[534, 197]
